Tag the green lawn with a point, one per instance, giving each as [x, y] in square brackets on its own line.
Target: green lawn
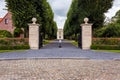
[3, 51]
[116, 51]
[46, 42]
[74, 43]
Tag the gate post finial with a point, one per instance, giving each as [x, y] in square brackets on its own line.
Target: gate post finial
[34, 20]
[86, 20]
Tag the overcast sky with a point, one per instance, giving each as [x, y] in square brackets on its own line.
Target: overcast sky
[60, 9]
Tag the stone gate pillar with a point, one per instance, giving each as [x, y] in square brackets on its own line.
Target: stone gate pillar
[86, 34]
[34, 34]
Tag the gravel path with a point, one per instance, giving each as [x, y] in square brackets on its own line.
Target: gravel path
[59, 69]
[67, 51]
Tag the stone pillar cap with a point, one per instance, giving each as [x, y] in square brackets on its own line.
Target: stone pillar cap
[34, 20]
[86, 20]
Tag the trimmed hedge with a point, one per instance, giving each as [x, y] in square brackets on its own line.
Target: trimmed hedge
[14, 43]
[18, 47]
[106, 43]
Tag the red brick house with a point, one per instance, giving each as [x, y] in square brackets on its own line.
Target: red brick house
[6, 23]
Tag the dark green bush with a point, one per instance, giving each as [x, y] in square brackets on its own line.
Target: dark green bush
[106, 43]
[99, 32]
[17, 32]
[5, 34]
[112, 30]
[13, 41]
[13, 44]
[105, 47]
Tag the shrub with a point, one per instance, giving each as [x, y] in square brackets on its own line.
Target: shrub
[5, 34]
[112, 30]
[13, 43]
[17, 47]
[99, 32]
[106, 43]
[105, 47]
[17, 32]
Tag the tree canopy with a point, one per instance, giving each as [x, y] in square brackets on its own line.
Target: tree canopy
[24, 10]
[93, 9]
[111, 29]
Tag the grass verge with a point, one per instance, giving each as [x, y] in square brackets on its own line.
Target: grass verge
[3, 51]
[115, 51]
[74, 43]
[46, 42]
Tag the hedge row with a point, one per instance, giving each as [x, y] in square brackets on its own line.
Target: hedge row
[105, 47]
[17, 47]
[106, 41]
[13, 41]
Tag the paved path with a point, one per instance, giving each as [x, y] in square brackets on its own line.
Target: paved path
[59, 69]
[67, 51]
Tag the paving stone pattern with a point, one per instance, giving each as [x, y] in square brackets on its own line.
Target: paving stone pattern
[67, 51]
[59, 69]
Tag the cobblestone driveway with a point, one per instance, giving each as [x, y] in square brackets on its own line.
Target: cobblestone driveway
[59, 69]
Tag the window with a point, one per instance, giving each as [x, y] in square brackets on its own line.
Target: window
[6, 21]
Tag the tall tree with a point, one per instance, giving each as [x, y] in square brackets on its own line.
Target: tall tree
[93, 9]
[23, 11]
[116, 18]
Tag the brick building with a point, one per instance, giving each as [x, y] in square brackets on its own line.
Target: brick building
[6, 23]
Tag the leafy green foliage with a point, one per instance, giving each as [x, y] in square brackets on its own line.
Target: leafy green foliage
[106, 43]
[110, 30]
[24, 10]
[105, 47]
[17, 32]
[13, 44]
[17, 47]
[5, 34]
[93, 9]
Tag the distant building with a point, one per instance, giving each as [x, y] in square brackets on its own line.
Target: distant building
[60, 34]
[6, 23]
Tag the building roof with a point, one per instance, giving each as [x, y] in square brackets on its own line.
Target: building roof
[1, 19]
[4, 17]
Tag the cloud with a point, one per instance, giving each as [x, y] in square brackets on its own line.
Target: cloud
[60, 20]
[114, 9]
[60, 9]
[2, 7]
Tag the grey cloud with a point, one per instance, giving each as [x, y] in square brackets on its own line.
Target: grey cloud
[60, 12]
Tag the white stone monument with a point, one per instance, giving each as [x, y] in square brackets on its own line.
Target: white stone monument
[34, 34]
[86, 34]
[60, 34]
